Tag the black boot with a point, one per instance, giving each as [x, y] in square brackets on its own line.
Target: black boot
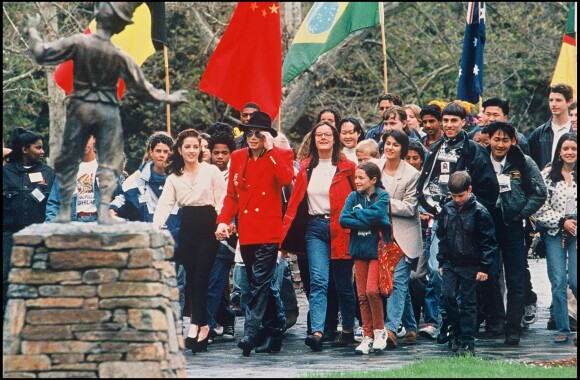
[271, 344]
[246, 344]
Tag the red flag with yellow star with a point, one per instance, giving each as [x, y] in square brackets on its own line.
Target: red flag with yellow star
[246, 66]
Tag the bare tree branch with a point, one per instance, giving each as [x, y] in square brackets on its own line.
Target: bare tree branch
[19, 77]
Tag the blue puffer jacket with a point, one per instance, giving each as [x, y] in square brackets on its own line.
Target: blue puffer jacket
[366, 216]
[129, 204]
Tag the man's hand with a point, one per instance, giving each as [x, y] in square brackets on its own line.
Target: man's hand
[233, 229]
[222, 232]
[268, 140]
[480, 276]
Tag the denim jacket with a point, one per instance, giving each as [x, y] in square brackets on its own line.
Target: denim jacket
[366, 216]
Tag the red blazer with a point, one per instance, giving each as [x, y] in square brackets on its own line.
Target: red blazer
[255, 194]
[341, 186]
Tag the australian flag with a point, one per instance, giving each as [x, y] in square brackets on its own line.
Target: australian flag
[470, 84]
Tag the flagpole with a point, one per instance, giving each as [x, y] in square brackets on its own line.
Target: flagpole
[168, 107]
[383, 38]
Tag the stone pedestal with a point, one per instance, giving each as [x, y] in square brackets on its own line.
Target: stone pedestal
[88, 300]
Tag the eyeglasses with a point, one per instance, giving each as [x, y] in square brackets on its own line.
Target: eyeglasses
[250, 133]
[319, 135]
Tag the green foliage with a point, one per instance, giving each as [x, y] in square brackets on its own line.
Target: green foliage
[424, 42]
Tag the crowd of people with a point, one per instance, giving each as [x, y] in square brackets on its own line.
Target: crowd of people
[466, 197]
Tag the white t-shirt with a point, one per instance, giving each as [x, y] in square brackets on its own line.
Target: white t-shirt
[319, 187]
[350, 153]
[559, 131]
[85, 187]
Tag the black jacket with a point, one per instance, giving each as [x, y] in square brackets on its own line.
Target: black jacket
[475, 160]
[540, 143]
[466, 235]
[21, 208]
[528, 190]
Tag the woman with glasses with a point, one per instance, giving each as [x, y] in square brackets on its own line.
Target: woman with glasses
[322, 185]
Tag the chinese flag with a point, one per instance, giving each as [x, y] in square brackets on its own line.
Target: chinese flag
[246, 66]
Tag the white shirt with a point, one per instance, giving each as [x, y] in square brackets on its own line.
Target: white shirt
[208, 188]
[319, 186]
[350, 153]
[498, 166]
[558, 132]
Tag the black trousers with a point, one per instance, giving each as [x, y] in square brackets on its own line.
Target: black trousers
[260, 261]
[460, 299]
[196, 252]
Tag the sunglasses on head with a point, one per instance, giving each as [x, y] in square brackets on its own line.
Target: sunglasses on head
[251, 133]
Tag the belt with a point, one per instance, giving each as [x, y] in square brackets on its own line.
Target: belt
[321, 216]
[81, 214]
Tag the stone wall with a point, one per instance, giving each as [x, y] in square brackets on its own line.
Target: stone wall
[88, 300]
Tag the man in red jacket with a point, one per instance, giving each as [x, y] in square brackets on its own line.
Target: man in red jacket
[255, 182]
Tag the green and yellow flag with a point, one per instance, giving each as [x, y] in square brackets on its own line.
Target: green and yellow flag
[325, 26]
[566, 67]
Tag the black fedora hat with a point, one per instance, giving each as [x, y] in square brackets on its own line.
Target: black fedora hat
[260, 120]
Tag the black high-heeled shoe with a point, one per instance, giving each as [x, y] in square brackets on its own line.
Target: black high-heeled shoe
[201, 345]
[190, 343]
[271, 344]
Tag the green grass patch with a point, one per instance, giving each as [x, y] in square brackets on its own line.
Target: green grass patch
[461, 367]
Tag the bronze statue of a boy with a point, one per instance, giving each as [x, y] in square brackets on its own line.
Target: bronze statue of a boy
[93, 107]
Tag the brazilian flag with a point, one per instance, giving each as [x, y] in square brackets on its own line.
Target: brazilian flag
[325, 26]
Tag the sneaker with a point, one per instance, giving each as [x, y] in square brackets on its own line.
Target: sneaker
[211, 336]
[343, 339]
[467, 348]
[365, 346]
[530, 314]
[512, 338]
[380, 340]
[410, 337]
[391, 339]
[444, 334]
[401, 331]
[228, 333]
[428, 331]
[454, 344]
[314, 342]
[219, 330]
[358, 334]
[561, 338]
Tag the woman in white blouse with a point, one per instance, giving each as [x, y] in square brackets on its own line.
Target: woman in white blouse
[199, 189]
[400, 181]
[558, 218]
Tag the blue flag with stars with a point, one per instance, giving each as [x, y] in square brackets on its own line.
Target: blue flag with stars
[470, 84]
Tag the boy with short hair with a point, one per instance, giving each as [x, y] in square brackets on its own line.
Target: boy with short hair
[466, 244]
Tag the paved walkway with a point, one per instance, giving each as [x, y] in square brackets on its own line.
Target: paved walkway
[224, 359]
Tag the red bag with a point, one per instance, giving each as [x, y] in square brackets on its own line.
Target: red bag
[389, 255]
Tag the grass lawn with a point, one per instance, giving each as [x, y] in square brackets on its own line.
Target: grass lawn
[462, 367]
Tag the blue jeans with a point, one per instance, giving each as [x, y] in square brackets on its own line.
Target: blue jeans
[241, 286]
[556, 257]
[277, 285]
[433, 301]
[318, 252]
[218, 280]
[181, 284]
[400, 300]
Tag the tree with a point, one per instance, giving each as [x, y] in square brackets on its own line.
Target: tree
[424, 42]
